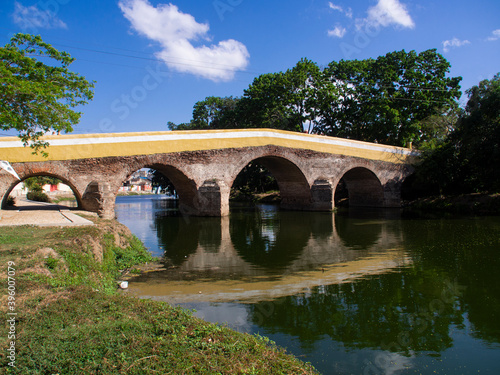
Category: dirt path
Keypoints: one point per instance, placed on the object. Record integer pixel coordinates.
(27, 212)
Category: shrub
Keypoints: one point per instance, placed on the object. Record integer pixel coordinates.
(38, 196)
(11, 201)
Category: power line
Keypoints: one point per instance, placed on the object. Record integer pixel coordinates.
(199, 64)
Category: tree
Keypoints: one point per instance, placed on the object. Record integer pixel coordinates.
(282, 100)
(159, 180)
(477, 136)
(468, 160)
(37, 98)
(211, 113)
(255, 178)
(214, 113)
(386, 100)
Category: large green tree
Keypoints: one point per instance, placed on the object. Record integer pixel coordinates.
(283, 100)
(477, 137)
(468, 160)
(386, 100)
(38, 97)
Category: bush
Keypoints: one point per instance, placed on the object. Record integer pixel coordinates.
(11, 201)
(38, 196)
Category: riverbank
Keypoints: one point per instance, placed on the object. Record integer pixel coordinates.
(268, 197)
(465, 204)
(71, 317)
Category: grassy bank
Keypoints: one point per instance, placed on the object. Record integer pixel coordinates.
(72, 320)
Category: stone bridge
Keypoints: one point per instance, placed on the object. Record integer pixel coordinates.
(203, 165)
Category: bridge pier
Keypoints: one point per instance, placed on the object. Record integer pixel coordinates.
(99, 197)
(392, 194)
(213, 199)
(322, 194)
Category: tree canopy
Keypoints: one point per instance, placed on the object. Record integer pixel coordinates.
(394, 99)
(386, 100)
(37, 97)
(468, 160)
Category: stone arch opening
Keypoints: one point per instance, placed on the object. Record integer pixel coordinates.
(295, 192)
(68, 190)
(360, 187)
(254, 178)
(178, 184)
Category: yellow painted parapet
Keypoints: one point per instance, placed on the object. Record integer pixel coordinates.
(85, 146)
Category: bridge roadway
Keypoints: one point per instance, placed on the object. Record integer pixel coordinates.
(202, 165)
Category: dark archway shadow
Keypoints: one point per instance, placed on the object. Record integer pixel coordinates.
(360, 187)
(295, 191)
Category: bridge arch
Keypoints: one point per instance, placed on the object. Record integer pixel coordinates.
(364, 187)
(184, 186)
(294, 188)
(25, 176)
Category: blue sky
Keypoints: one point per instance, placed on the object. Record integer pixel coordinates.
(152, 60)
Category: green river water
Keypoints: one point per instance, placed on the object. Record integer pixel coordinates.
(354, 292)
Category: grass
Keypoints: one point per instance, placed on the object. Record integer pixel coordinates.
(58, 199)
(72, 320)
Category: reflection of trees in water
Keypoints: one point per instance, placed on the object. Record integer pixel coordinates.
(468, 250)
(390, 311)
(181, 236)
(272, 241)
(454, 275)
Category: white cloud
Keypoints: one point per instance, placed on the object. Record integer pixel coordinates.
(175, 31)
(347, 12)
(454, 43)
(337, 32)
(495, 35)
(32, 17)
(388, 12)
(335, 7)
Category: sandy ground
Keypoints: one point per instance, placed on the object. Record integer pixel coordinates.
(28, 212)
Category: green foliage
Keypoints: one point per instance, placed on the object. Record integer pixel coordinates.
(211, 113)
(255, 178)
(89, 332)
(468, 161)
(388, 99)
(38, 196)
(282, 100)
(36, 98)
(126, 257)
(51, 263)
(161, 181)
(10, 201)
(37, 183)
(478, 137)
(395, 99)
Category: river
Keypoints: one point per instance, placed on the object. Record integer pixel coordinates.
(354, 292)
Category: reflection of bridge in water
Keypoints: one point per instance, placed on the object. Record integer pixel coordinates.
(233, 258)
